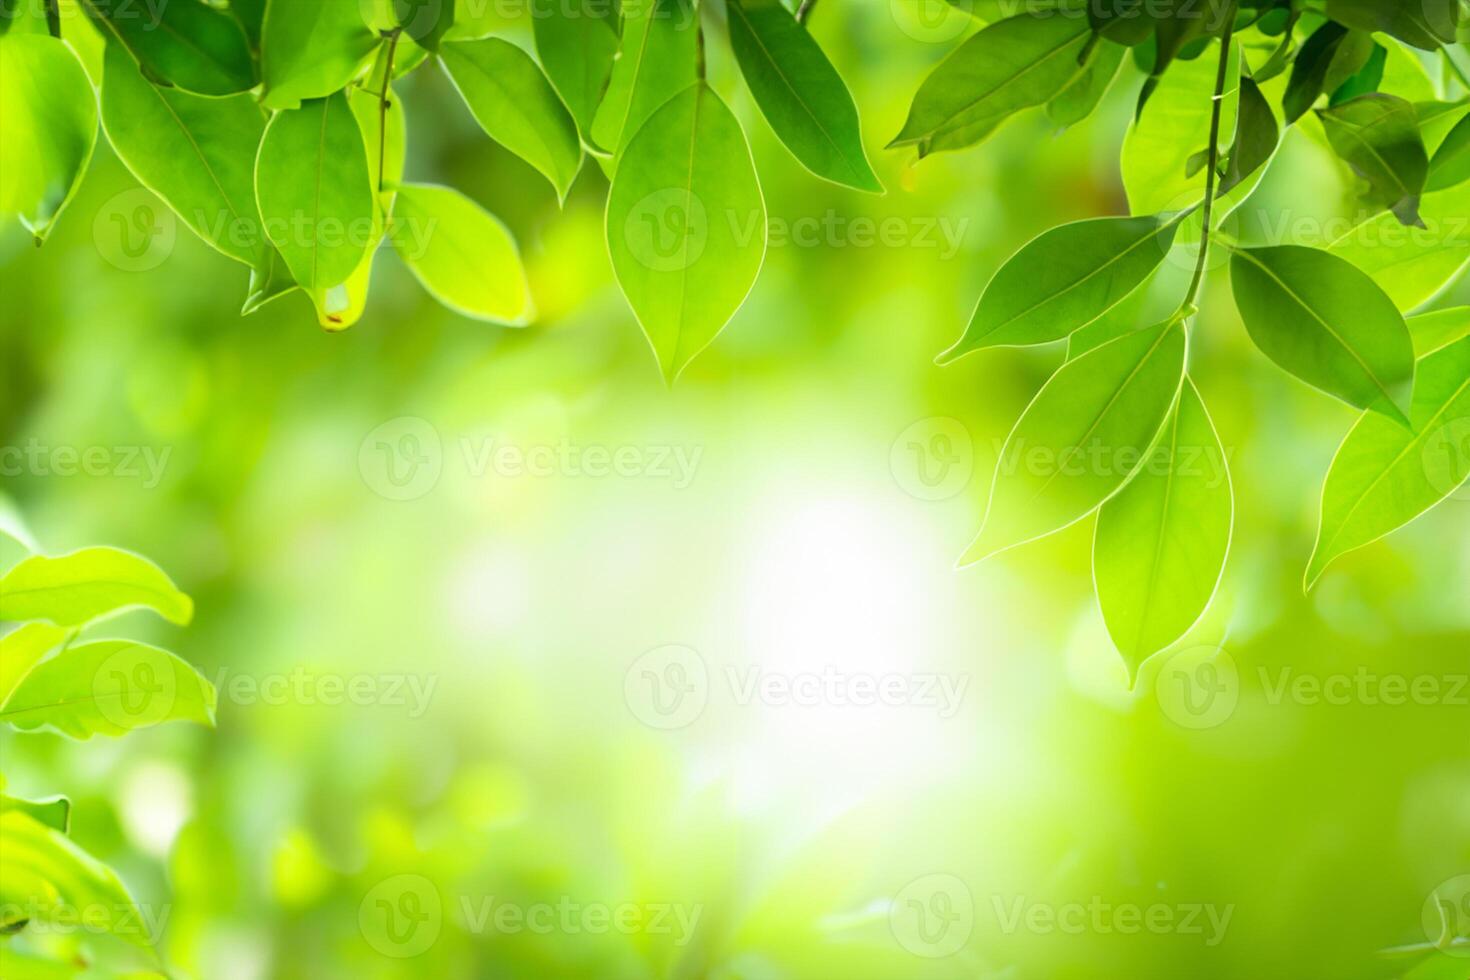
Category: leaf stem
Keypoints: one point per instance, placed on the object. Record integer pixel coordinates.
(383, 105)
(1212, 167)
(53, 18)
(805, 10)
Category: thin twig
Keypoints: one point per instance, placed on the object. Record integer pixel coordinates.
(383, 105)
(53, 17)
(805, 10)
(1214, 162)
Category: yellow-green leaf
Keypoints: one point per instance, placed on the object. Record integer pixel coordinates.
(75, 589)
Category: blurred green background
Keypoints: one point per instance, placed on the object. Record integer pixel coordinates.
(439, 634)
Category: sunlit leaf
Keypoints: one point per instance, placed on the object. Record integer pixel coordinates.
(578, 42)
(1431, 331)
(54, 812)
(1078, 100)
(1413, 265)
(657, 60)
(21, 649)
(74, 589)
(182, 42)
(1378, 136)
(1451, 163)
(310, 50)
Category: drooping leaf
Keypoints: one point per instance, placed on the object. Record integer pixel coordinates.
(196, 153)
(1378, 136)
(185, 43)
(1309, 71)
(1161, 543)
(686, 225)
(1066, 279)
(310, 50)
(1082, 437)
(45, 876)
(15, 965)
(251, 15)
(21, 649)
(109, 687)
(75, 589)
(463, 255)
(1011, 65)
(516, 106)
(1385, 475)
(1349, 59)
(54, 812)
(657, 60)
(1432, 331)
(425, 21)
(341, 306)
(315, 191)
(48, 128)
(1425, 24)
(1080, 98)
(270, 280)
(1451, 163)
(1327, 323)
(1364, 81)
(1413, 265)
(578, 42)
(1256, 137)
(800, 93)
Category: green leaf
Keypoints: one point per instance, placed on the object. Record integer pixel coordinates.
(15, 965)
(1425, 24)
(1327, 323)
(1378, 136)
(1412, 265)
(463, 255)
(1009, 66)
(48, 128)
(251, 15)
(800, 93)
(1256, 137)
(657, 61)
(269, 281)
(1451, 163)
(686, 225)
(1080, 98)
(1161, 543)
(311, 50)
(1366, 80)
(315, 192)
(46, 877)
(1082, 437)
(1066, 279)
(54, 812)
(1384, 475)
(109, 687)
(196, 153)
(516, 106)
(182, 42)
(578, 42)
(75, 589)
(1309, 71)
(340, 306)
(426, 21)
(1432, 331)
(21, 649)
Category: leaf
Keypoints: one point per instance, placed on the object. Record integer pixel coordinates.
(1378, 136)
(1413, 265)
(15, 965)
(578, 42)
(1327, 323)
(1009, 66)
(315, 192)
(686, 225)
(1161, 543)
(45, 876)
(1366, 80)
(1309, 72)
(311, 50)
(75, 589)
(426, 21)
(269, 281)
(196, 153)
(48, 128)
(656, 62)
(1065, 279)
(1384, 475)
(800, 93)
(1432, 331)
(1256, 137)
(1080, 98)
(1451, 163)
(21, 649)
(341, 306)
(110, 687)
(463, 255)
(516, 106)
(181, 42)
(54, 812)
(1425, 24)
(1082, 437)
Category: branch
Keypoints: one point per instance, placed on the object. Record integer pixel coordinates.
(1212, 167)
(805, 10)
(383, 105)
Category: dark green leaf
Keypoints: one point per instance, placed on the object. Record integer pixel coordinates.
(1365, 81)
(1079, 99)
(1256, 137)
(182, 42)
(426, 21)
(1378, 136)
(1309, 71)
(577, 42)
(1425, 24)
